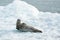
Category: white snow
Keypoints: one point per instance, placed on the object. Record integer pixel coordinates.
(48, 22)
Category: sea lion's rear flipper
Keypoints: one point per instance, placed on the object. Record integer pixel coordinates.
(37, 31)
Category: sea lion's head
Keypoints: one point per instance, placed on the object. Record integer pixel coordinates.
(18, 20)
(18, 23)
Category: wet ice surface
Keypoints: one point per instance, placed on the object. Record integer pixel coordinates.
(48, 22)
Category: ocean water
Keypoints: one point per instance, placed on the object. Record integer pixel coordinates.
(45, 5)
(48, 22)
(41, 5)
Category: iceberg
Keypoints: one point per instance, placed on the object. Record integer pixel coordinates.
(46, 21)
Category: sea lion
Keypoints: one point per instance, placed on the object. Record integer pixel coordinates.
(26, 28)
